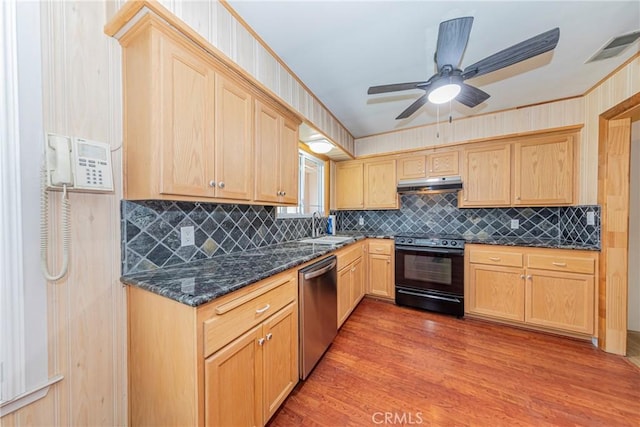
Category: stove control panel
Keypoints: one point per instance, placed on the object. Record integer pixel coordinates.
(430, 242)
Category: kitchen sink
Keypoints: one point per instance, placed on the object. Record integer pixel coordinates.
(327, 240)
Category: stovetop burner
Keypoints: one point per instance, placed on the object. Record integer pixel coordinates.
(430, 241)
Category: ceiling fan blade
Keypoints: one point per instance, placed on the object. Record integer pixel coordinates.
(471, 96)
(413, 107)
(519, 52)
(394, 87)
(453, 36)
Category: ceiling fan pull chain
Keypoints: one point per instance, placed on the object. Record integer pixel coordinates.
(437, 121)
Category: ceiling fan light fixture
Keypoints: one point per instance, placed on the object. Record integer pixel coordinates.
(320, 146)
(444, 90)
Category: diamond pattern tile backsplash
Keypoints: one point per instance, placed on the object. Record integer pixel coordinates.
(439, 214)
(151, 229)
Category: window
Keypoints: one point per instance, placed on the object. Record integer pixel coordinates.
(311, 188)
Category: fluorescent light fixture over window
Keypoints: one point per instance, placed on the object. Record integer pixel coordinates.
(321, 146)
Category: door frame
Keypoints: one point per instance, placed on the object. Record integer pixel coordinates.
(613, 197)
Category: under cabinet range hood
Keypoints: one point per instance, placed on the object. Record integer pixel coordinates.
(441, 184)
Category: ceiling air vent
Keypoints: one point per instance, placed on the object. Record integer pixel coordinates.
(615, 47)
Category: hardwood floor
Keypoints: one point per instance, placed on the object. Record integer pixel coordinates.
(633, 347)
(392, 365)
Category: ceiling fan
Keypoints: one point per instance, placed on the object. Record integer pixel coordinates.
(448, 82)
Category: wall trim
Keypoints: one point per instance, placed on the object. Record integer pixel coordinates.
(28, 398)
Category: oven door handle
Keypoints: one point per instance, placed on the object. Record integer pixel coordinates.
(402, 291)
(432, 250)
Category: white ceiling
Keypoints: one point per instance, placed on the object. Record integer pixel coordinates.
(340, 48)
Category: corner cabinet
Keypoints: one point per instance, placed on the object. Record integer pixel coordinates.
(189, 125)
(549, 289)
(276, 156)
(232, 361)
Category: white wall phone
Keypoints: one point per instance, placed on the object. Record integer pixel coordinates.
(71, 164)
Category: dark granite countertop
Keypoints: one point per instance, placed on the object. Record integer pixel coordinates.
(530, 242)
(199, 282)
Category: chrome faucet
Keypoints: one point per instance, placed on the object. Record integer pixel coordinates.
(314, 230)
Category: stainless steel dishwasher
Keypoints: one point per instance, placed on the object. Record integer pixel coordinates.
(318, 317)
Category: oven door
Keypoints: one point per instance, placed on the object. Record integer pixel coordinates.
(430, 269)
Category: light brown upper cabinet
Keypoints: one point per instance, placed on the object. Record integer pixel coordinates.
(486, 176)
(189, 124)
(380, 184)
(368, 184)
(543, 171)
(233, 144)
(443, 163)
(526, 171)
(350, 185)
(413, 167)
(276, 159)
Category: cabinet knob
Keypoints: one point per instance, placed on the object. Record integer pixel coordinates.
(280, 193)
(529, 277)
(517, 197)
(269, 336)
(221, 184)
(388, 261)
(260, 341)
(212, 183)
(284, 193)
(522, 276)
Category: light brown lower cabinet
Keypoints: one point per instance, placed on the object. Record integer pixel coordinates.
(381, 268)
(247, 380)
(550, 289)
(351, 280)
(232, 361)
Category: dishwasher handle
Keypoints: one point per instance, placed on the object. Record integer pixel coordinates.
(306, 275)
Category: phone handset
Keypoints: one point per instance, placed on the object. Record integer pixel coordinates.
(56, 171)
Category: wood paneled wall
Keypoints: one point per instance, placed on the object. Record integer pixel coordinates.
(213, 21)
(583, 110)
(87, 308)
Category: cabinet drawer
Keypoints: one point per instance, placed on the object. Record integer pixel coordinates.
(234, 316)
(349, 254)
(382, 248)
(509, 259)
(561, 263)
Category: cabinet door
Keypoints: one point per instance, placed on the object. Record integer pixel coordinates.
(560, 300)
(349, 185)
(187, 85)
(344, 294)
(486, 176)
(233, 383)
(357, 282)
(496, 291)
(380, 184)
(267, 153)
(381, 276)
(280, 358)
(412, 167)
(543, 171)
(234, 141)
(443, 164)
(289, 162)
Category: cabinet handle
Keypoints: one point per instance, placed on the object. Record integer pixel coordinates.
(517, 197)
(559, 264)
(269, 336)
(284, 193)
(212, 183)
(522, 276)
(221, 184)
(260, 341)
(494, 258)
(388, 261)
(529, 277)
(263, 309)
